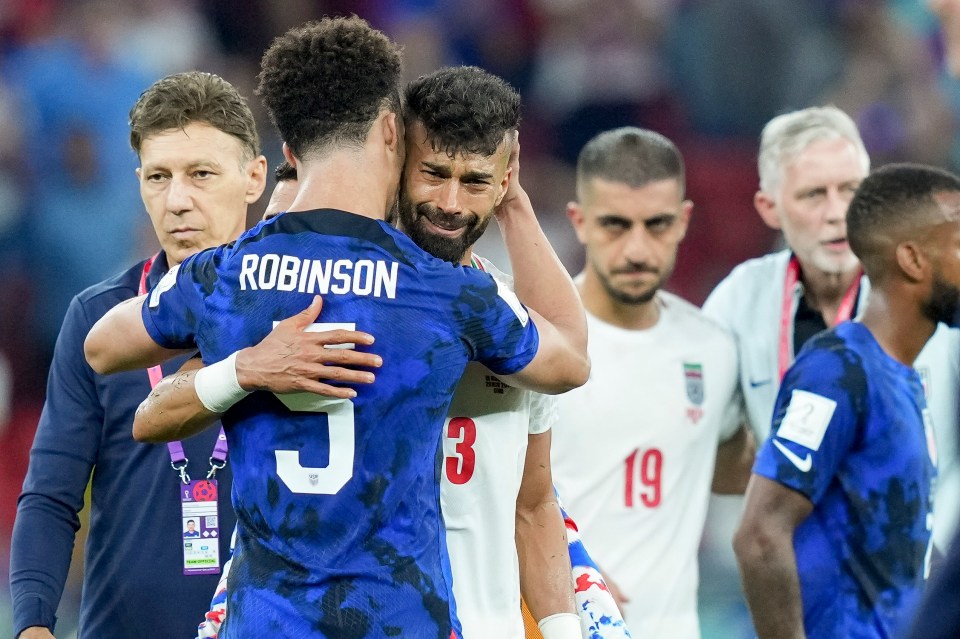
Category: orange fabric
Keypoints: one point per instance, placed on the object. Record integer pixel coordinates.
(529, 623)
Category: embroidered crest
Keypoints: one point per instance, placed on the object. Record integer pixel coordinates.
(693, 374)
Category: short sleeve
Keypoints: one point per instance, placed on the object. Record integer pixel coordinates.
(494, 323)
(544, 412)
(174, 306)
(815, 421)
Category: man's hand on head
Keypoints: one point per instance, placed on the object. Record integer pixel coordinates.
(515, 195)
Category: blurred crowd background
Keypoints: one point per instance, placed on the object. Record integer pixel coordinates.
(706, 73)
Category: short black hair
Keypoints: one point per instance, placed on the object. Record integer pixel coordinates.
(629, 155)
(889, 204)
(284, 172)
(325, 82)
(464, 109)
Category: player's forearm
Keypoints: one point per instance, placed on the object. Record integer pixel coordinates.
(172, 411)
(546, 580)
(540, 279)
(735, 459)
(120, 342)
(768, 569)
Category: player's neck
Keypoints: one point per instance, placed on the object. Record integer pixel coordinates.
(346, 181)
(598, 302)
(898, 324)
(824, 291)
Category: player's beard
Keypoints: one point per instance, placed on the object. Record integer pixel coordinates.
(943, 303)
(450, 249)
(632, 299)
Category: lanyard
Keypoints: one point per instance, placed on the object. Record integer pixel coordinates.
(178, 459)
(844, 311)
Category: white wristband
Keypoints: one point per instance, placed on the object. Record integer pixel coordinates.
(563, 625)
(217, 385)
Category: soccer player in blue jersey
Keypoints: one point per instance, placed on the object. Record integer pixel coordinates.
(455, 120)
(835, 537)
(339, 533)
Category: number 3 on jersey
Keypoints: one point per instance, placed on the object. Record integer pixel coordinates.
(643, 467)
(460, 466)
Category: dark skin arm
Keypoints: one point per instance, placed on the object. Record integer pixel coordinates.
(768, 566)
(288, 360)
(734, 462)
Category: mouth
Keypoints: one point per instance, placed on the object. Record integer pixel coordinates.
(837, 244)
(446, 230)
(183, 233)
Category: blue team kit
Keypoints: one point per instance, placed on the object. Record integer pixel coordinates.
(337, 501)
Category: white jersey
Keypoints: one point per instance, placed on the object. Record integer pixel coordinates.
(633, 456)
(749, 303)
(484, 447)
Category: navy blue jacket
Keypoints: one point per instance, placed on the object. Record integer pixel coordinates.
(133, 577)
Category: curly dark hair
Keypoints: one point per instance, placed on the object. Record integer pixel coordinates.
(180, 99)
(463, 109)
(894, 201)
(284, 172)
(325, 82)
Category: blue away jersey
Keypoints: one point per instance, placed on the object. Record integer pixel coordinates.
(849, 432)
(339, 532)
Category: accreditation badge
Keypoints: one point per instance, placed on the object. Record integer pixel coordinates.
(200, 527)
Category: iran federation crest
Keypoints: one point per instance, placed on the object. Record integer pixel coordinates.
(693, 375)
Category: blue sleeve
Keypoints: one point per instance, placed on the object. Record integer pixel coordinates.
(174, 307)
(64, 452)
(496, 326)
(808, 440)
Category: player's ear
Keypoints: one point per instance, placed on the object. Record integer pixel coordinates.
(912, 262)
(256, 179)
(683, 221)
(577, 219)
(767, 208)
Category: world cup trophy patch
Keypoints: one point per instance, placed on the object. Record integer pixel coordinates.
(693, 377)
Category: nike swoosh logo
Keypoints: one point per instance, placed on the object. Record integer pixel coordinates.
(762, 382)
(803, 464)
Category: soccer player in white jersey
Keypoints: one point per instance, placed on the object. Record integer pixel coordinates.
(491, 477)
(810, 163)
(638, 448)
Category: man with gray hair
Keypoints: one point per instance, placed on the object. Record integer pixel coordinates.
(811, 162)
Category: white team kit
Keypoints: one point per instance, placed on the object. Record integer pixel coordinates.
(484, 448)
(633, 455)
(750, 302)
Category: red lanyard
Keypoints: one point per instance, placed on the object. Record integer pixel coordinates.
(178, 459)
(787, 312)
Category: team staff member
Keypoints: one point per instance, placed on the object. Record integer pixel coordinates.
(836, 531)
(810, 164)
(200, 166)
